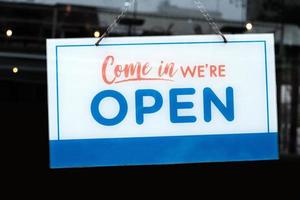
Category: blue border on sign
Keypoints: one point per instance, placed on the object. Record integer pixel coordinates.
(163, 150)
(160, 43)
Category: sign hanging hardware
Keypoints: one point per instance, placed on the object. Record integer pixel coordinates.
(124, 10)
(198, 4)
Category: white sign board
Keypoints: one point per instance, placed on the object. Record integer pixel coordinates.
(157, 100)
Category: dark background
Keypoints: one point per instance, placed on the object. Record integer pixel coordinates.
(24, 117)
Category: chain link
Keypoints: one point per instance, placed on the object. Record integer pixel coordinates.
(124, 10)
(198, 4)
(208, 18)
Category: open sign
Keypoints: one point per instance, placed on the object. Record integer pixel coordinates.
(141, 110)
(158, 100)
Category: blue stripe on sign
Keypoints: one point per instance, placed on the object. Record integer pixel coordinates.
(163, 150)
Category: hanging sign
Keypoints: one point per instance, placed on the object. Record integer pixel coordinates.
(161, 100)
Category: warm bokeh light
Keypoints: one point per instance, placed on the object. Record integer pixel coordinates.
(9, 32)
(249, 26)
(96, 34)
(15, 70)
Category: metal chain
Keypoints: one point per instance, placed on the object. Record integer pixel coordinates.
(208, 18)
(125, 8)
(198, 4)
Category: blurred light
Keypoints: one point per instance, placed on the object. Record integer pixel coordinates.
(126, 4)
(96, 34)
(68, 8)
(15, 70)
(249, 26)
(9, 32)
